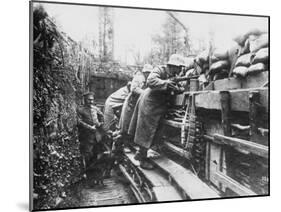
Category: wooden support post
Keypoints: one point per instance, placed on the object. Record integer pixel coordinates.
(225, 99)
(207, 160)
(253, 114)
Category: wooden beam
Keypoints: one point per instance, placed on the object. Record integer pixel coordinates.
(163, 190)
(233, 185)
(174, 124)
(177, 150)
(227, 84)
(239, 99)
(255, 81)
(185, 180)
(241, 144)
(253, 113)
(225, 100)
(207, 161)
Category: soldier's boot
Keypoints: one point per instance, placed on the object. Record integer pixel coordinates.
(145, 164)
(141, 155)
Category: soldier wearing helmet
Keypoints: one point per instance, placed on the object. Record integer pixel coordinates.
(137, 87)
(152, 105)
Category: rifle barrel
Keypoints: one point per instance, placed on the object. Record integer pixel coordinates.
(179, 79)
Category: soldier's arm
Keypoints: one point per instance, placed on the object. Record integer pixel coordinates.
(154, 80)
(137, 84)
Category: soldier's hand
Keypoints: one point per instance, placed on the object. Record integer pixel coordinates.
(171, 85)
(93, 128)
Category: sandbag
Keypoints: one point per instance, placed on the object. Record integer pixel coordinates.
(217, 66)
(257, 68)
(240, 71)
(258, 43)
(246, 48)
(261, 56)
(202, 57)
(220, 53)
(214, 59)
(244, 60)
(241, 39)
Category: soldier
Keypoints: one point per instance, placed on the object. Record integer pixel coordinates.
(152, 105)
(113, 106)
(138, 85)
(90, 120)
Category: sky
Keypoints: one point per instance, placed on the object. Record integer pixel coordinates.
(133, 28)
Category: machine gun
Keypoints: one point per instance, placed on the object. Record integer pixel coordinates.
(177, 88)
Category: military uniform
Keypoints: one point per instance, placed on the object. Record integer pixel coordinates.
(151, 106)
(88, 117)
(137, 87)
(114, 102)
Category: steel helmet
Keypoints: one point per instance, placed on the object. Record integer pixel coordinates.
(176, 60)
(147, 68)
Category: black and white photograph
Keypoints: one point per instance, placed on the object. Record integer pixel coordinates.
(133, 105)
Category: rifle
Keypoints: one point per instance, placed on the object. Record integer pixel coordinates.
(180, 79)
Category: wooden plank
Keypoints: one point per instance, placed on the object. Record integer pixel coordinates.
(162, 188)
(185, 179)
(166, 193)
(215, 151)
(239, 99)
(179, 151)
(225, 100)
(153, 176)
(207, 161)
(228, 84)
(253, 115)
(174, 124)
(255, 81)
(241, 144)
(234, 185)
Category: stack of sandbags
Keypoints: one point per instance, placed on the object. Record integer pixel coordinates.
(220, 64)
(202, 62)
(253, 55)
(259, 48)
(189, 66)
(242, 64)
(244, 39)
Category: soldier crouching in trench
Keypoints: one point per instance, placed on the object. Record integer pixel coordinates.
(152, 105)
(90, 120)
